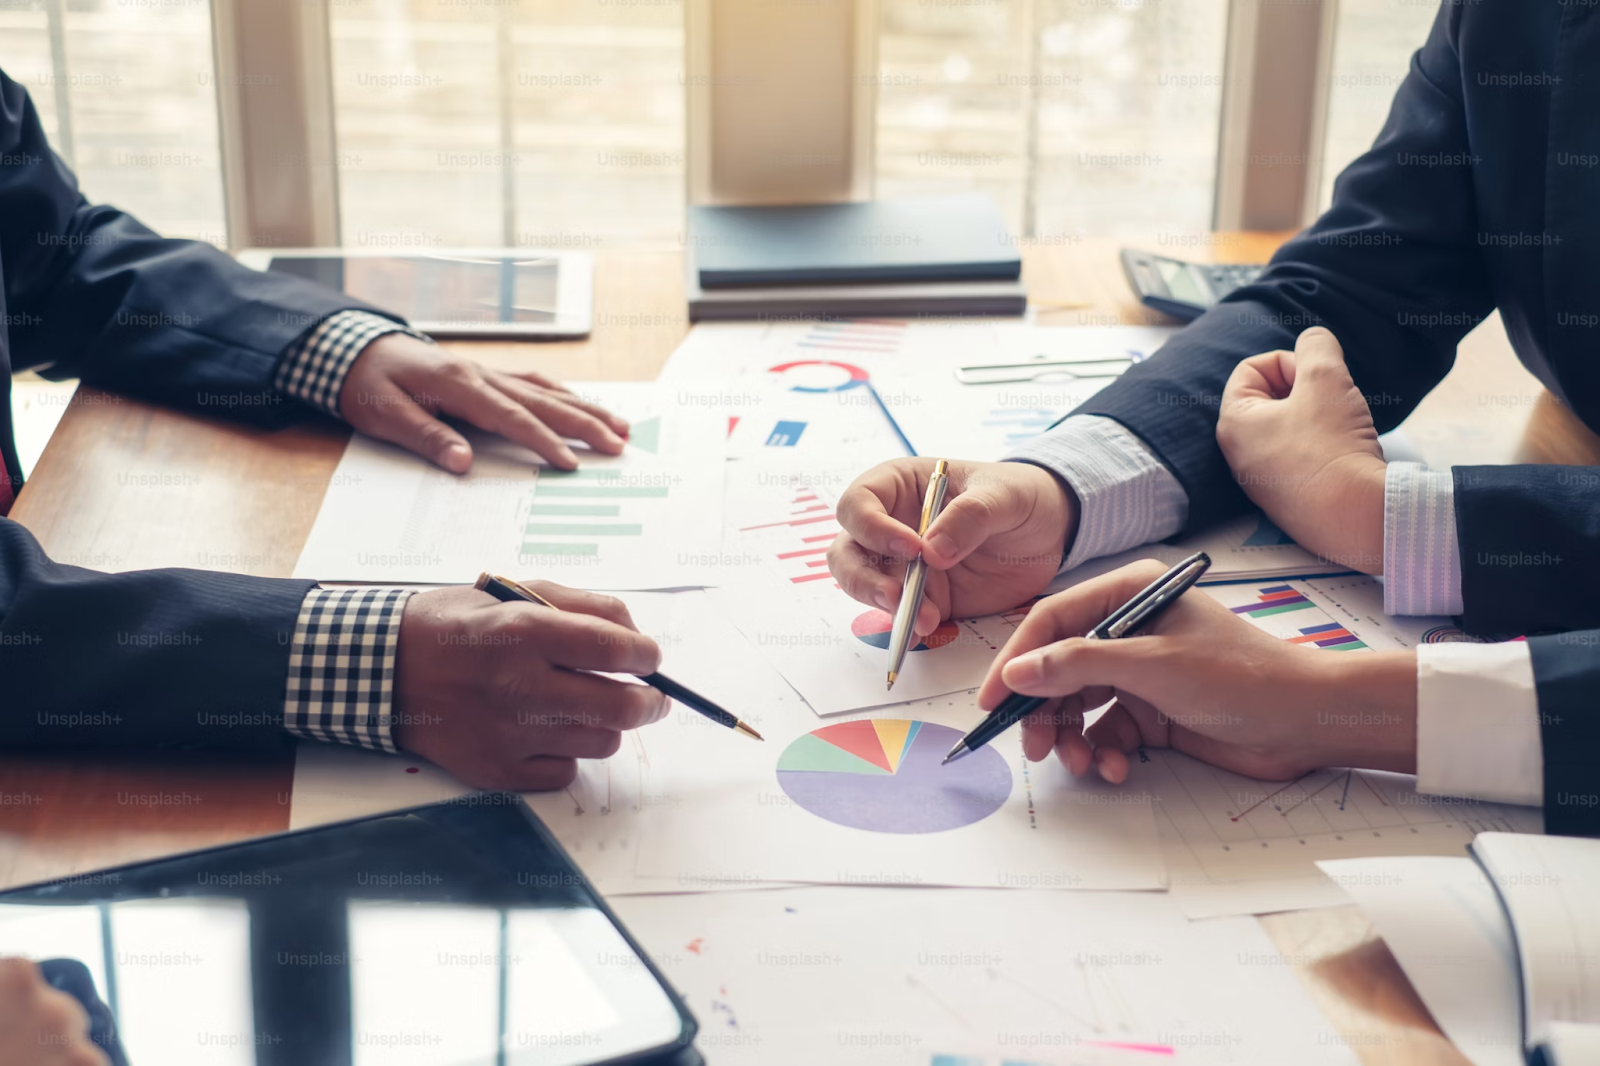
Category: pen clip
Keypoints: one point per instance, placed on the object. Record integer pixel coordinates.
(933, 500)
(1153, 598)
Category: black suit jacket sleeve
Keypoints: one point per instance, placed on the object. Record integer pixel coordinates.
(1392, 269)
(1566, 672)
(156, 658)
(90, 292)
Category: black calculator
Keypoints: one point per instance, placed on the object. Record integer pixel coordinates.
(1183, 290)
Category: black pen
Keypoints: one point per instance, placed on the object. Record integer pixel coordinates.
(509, 591)
(1125, 621)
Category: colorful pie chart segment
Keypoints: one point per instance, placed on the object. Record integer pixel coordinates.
(883, 775)
(874, 627)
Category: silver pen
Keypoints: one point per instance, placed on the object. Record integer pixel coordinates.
(905, 616)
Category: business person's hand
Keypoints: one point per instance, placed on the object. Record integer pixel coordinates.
(1201, 680)
(496, 693)
(999, 540)
(39, 1025)
(399, 386)
(1299, 437)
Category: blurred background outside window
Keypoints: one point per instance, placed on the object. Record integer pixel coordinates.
(127, 93)
(561, 122)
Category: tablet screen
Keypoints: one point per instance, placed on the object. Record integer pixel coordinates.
(440, 291)
(452, 934)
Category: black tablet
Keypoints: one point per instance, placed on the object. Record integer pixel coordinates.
(458, 933)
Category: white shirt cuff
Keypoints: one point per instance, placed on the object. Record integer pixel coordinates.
(1127, 497)
(1478, 723)
(1421, 556)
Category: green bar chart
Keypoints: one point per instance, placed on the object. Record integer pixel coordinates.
(580, 528)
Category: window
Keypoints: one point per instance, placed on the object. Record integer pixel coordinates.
(126, 91)
(556, 123)
(1372, 50)
(1079, 116)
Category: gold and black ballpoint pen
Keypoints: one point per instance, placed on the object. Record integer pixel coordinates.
(905, 617)
(509, 591)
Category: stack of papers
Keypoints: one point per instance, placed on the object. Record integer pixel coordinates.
(728, 493)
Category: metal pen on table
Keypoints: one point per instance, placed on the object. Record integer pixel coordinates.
(905, 616)
(1125, 621)
(508, 591)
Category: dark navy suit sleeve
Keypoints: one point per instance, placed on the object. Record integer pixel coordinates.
(154, 658)
(1392, 269)
(90, 292)
(1530, 548)
(1566, 673)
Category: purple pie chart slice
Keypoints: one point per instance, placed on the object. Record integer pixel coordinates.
(918, 796)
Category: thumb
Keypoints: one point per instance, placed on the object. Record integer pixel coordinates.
(1318, 363)
(974, 516)
(411, 426)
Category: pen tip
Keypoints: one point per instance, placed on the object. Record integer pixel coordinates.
(748, 731)
(892, 676)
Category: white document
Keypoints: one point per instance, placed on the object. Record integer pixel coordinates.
(689, 805)
(778, 519)
(1249, 546)
(825, 367)
(1061, 369)
(769, 420)
(956, 977)
(1443, 920)
(1551, 888)
(1237, 845)
(834, 650)
(618, 522)
(864, 801)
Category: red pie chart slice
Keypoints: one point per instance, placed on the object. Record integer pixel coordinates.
(859, 739)
(873, 627)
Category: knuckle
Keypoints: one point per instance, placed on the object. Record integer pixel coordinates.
(611, 607)
(458, 370)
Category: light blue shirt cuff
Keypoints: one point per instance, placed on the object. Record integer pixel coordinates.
(1421, 556)
(1127, 497)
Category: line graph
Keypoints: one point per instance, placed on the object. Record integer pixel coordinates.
(1222, 830)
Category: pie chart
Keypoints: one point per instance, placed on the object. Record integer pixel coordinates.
(883, 775)
(874, 627)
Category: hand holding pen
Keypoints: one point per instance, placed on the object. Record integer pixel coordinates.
(1037, 662)
(1201, 680)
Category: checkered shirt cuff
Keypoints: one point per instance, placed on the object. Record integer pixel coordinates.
(341, 666)
(314, 367)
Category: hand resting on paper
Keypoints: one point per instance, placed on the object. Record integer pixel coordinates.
(399, 386)
(998, 542)
(499, 694)
(1203, 681)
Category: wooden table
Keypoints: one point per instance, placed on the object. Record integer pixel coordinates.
(242, 500)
